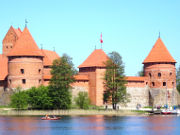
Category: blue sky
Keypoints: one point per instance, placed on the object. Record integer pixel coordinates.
(130, 27)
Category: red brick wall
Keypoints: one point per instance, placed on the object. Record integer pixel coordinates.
(33, 70)
(100, 72)
(166, 71)
(139, 84)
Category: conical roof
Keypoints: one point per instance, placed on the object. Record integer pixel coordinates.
(25, 46)
(97, 59)
(159, 53)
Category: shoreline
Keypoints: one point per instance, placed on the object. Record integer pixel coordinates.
(72, 112)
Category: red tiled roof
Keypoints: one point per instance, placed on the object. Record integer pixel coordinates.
(81, 77)
(25, 46)
(18, 32)
(97, 59)
(49, 57)
(159, 53)
(135, 78)
(3, 67)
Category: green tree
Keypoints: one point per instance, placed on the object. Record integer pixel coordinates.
(39, 98)
(19, 99)
(115, 89)
(178, 79)
(82, 100)
(141, 73)
(62, 76)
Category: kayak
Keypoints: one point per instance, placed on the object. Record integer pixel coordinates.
(50, 118)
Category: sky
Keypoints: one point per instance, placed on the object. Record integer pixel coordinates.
(129, 27)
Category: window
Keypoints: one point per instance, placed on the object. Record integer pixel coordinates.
(164, 83)
(24, 81)
(150, 75)
(146, 83)
(153, 84)
(39, 80)
(22, 71)
(170, 73)
(159, 74)
(7, 47)
(39, 70)
(173, 84)
(10, 81)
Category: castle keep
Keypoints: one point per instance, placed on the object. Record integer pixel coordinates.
(23, 64)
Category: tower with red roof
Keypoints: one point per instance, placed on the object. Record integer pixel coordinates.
(25, 63)
(94, 67)
(159, 68)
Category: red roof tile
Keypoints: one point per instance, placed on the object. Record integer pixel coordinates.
(18, 32)
(3, 67)
(81, 77)
(159, 53)
(97, 59)
(49, 57)
(135, 78)
(25, 46)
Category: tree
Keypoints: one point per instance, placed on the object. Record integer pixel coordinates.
(82, 100)
(115, 89)
(19, 99)
(39, 98)
(141, 73)
(178, 79)
(62, 76)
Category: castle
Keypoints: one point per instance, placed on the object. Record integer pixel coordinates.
(23, 64)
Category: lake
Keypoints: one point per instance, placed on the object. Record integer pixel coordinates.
(90, 125)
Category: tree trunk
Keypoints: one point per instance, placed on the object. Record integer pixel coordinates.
(114, 106)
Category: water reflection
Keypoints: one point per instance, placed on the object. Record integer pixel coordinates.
(90, 125)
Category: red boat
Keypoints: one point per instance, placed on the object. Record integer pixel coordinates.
(50, 118)
(166, 112)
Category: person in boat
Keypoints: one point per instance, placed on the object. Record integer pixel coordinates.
(47, 117)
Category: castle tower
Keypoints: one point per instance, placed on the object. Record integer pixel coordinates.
(25, 63)
(159, 68)
(9, 40)
(94, 67)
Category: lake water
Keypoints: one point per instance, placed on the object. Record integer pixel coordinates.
(91, 125)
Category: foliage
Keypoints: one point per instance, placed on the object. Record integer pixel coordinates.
(62, 76)
(115, 88)
(178, 79)
(141, 73)
(82, 100)
(39, 98)
(19, 99)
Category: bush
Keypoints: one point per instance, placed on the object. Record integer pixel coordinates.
(39, 98)
(82, 100)
(19, 99)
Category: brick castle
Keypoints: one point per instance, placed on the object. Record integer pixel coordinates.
(23, 64)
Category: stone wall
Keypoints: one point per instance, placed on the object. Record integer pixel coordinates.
(138, 95)
(79, 86)
(5, 96)
(161, 97)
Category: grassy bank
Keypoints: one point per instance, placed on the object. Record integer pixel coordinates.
(12, 112)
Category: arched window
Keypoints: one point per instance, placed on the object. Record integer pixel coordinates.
(164, 83)
(153, 84)
(150, 75)
(159, 74)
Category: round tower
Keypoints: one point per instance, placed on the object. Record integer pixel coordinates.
(25, 63)
(159, 68)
